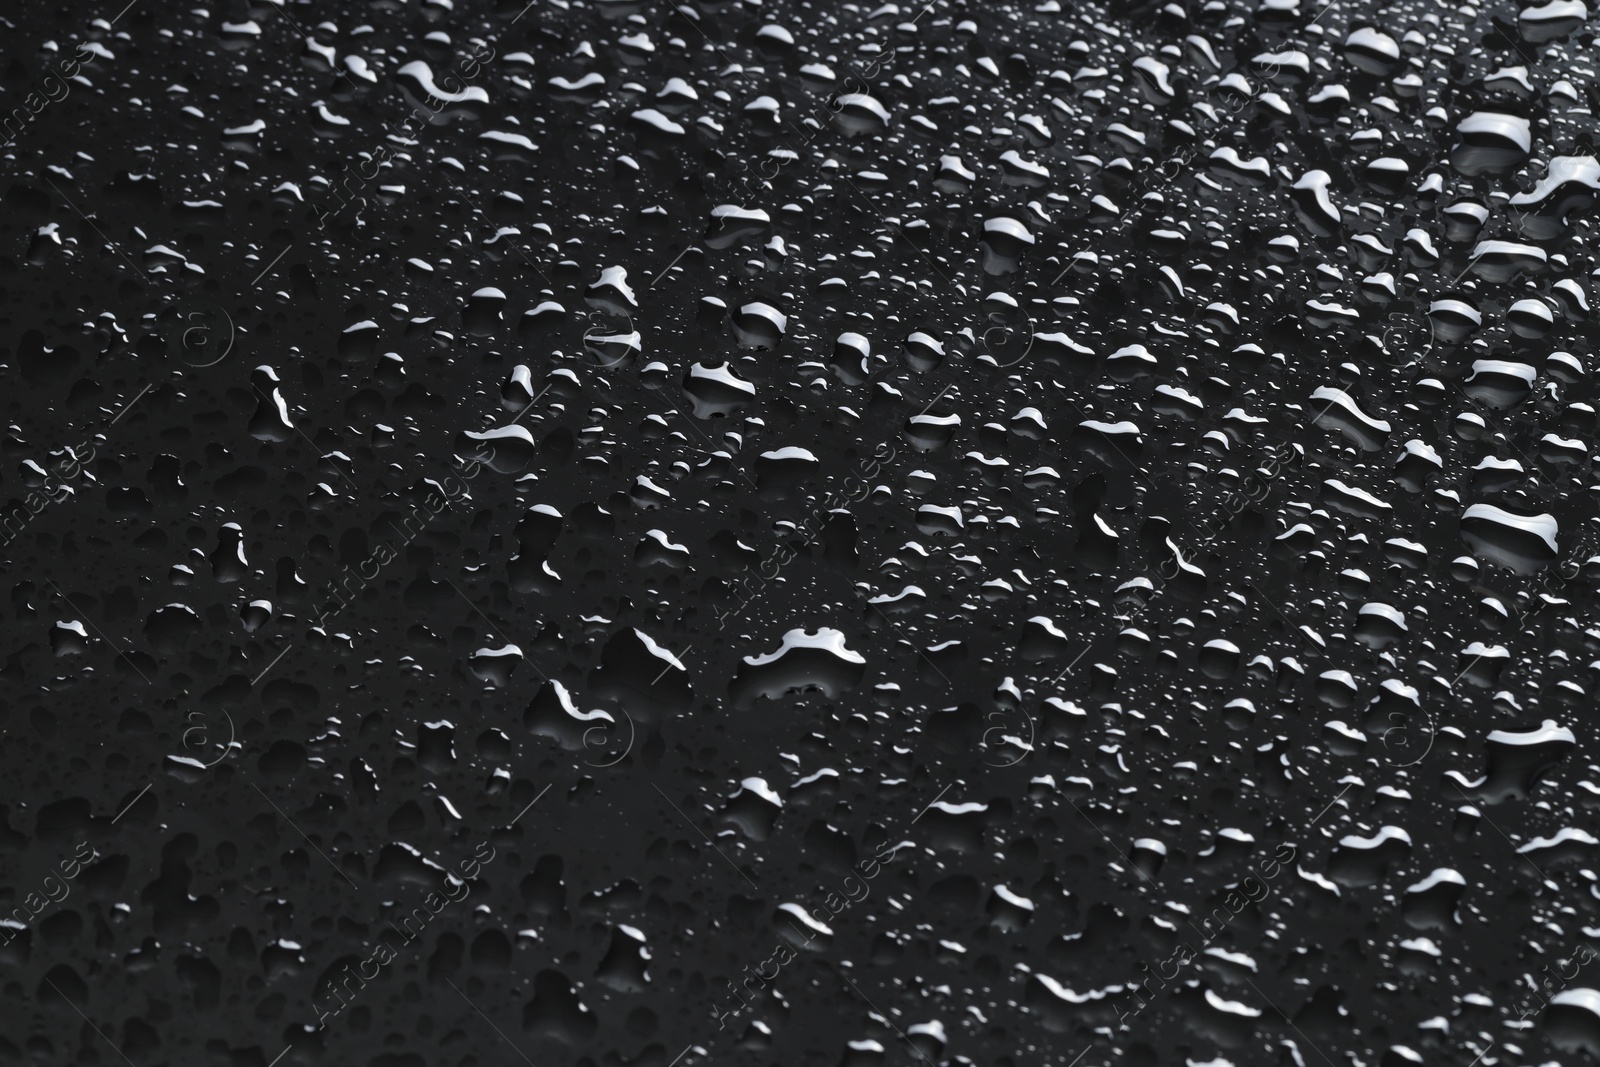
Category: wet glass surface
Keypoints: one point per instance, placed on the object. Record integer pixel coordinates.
(653, 533)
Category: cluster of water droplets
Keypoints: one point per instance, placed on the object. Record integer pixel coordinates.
(1113, 486)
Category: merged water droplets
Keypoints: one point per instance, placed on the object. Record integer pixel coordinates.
(1033, 531)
